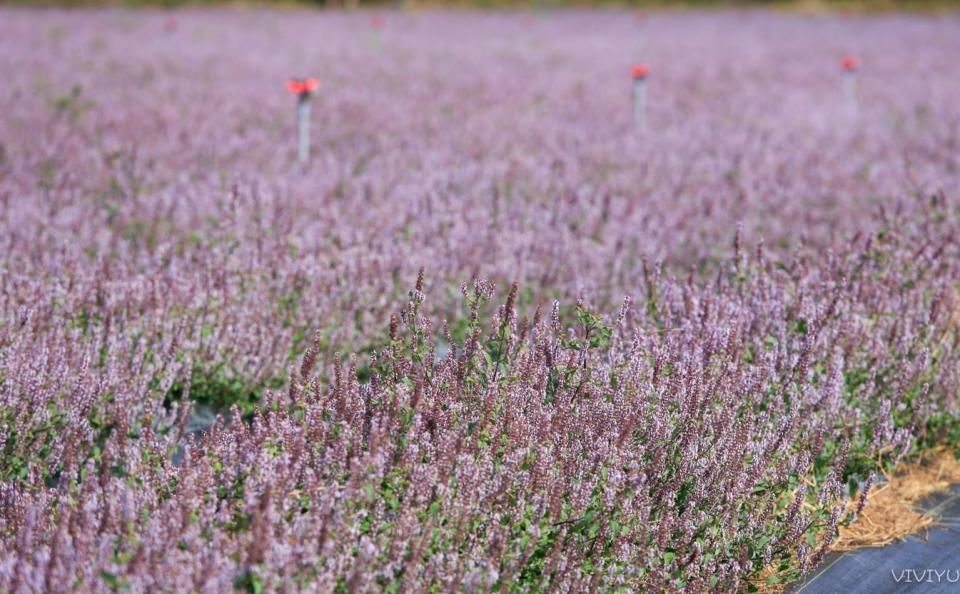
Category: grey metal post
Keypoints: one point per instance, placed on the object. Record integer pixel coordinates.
(639, 73)
(640, 103)
(303, 127)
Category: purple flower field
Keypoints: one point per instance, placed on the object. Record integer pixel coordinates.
(490, 337)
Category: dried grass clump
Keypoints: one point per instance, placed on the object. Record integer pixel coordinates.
(760, 585)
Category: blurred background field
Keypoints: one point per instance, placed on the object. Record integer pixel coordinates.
(808, 6)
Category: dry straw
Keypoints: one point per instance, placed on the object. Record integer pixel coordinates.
(891, 512)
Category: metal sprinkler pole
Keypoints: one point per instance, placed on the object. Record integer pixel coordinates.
(640, 103)
(377, 25)
(303, 127)
(639, 73)
(850, 65)
(303, 88)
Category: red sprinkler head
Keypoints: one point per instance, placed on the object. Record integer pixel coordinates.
(849, 64)
(302, 86)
